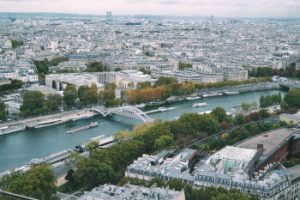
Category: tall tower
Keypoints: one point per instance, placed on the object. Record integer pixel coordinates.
(109, 17)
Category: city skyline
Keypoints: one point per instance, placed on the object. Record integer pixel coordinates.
(219, 8)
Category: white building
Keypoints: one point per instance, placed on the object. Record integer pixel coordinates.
(60, 81)
(125, 80)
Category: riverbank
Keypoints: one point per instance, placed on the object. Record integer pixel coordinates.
(64, 117)
(19, 148)
(45, 121)
(220, 91)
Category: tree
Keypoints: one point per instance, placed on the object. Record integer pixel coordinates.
(163, 141)
(15, 84)
(187, 87)
(16, 43)
(264, 113)
(166, 81)
(53, 102)
(90, 95)
(38, 182)
(262, 72)
(113, 103)
(270, 100)
(70, 95)
(292, 99)
(219, 113)
(175, 184)
(42, 66)
(81, 91)
(33, 102)
(239, 119)
(92, 172)
(183, 65)
(2, 110)
(143, 85)
(201, 124)
(92, 146)
(96, 67)
(110, 86)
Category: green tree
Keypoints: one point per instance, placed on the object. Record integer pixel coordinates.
(70, 95)
(15, 84)
(53, 102)
(90, 96)
(183, 65)
(166, 81)
(239, 119)
(176, 184)
(33, 102)
(38, 182)
(91, 173)
(81, 91)
(92, 146)
(110, 86)
(96, 67)
(112, 103)
(163, 141)
(262, 72)
(292, 99)
(264, 113)
(219, 113)
(2, 110)
(16, 43)
(270, 100)
(206, 124)
(143, 85)
(42, 66)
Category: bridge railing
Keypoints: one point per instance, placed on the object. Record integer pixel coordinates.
(127, 111)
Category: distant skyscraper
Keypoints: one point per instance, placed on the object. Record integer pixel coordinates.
(109, 17)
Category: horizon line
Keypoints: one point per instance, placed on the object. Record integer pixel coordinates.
(150, 15)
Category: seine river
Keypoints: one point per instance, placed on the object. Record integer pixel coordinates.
(19, 148)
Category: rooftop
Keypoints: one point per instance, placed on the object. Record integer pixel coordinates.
(235, 153)
(270, 140)
(112, 192)
(161, 165)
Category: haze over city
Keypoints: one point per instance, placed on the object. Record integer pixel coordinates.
(225, 8)
(149, 99)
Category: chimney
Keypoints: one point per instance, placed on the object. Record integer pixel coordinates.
(260, 147)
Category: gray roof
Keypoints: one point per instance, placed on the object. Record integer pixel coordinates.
(271, 140)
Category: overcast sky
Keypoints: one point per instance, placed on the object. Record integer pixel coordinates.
(230, 8)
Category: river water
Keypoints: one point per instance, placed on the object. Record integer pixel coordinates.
(19, 148)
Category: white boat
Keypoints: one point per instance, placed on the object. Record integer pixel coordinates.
(82, 128)
(214, 94)
(102, 140)
(192, 98)
(205, 112)
(3, 128)
(196, 105)
(47, 123)
(142, 105)
(162, 109)
(231, 93)
(52, 158)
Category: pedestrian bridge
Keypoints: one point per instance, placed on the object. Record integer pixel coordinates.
(126, 111)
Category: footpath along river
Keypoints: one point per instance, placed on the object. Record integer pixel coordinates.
(19, 148)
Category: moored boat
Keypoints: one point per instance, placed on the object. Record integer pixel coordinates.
(82, 128)
(192, 98)
(196, 105)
